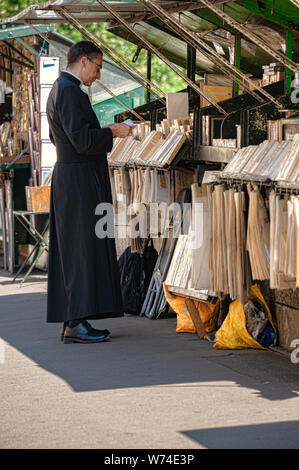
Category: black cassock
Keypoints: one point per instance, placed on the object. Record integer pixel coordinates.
(83, 280)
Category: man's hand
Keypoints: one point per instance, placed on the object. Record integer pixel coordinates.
(120, 130)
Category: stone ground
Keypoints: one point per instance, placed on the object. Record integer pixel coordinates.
(147, 388)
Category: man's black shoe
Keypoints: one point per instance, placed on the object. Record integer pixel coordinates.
(84, 333)
(95, 330)
(99, 332)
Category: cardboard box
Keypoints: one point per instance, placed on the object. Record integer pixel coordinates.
(38, 198)
(177, 105)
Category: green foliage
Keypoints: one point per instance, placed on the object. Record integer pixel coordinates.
(162, 75)
(10, 8)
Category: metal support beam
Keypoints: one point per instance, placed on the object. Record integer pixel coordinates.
(237, 62)
(45, 37)
(7, 43)
(6, 70)
(160, 55)
(12, 59)
(149, 75)
(196, 41)
(128, 68)
(97, 81)
(191, 65)
(119, 100)
(203, 47)
(289, 52)
(257, 40)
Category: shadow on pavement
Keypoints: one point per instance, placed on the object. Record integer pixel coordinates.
(141, 353)
(280, 435)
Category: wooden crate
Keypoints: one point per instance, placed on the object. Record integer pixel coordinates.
(38, 198)
(217, 93)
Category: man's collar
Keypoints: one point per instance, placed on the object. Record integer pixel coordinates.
(74, 75)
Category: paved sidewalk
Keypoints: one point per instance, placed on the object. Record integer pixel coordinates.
(149, 387)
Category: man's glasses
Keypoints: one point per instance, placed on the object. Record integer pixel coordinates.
(99, 66)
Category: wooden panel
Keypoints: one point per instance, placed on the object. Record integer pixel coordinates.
(193, 312)
(20, 161)
(38, 198)
(177, 105)
(217, 93)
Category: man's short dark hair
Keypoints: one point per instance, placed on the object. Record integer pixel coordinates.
(81, 49)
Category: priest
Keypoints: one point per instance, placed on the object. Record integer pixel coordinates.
(83, 281)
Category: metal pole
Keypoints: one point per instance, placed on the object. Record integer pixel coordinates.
(191, 65)
(195, 40)
(289, 51)
(260, 42)
(237, 62)
(149, 75)
(111, 52)
(160, 55)
(3, 223)
(10, 223)
(119, 100)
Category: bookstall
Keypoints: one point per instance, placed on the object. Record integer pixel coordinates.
(25, 155)
(32, 58)
(234, 152)
(239, 248)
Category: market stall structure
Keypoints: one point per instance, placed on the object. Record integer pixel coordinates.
(29, 66)
(234, 145)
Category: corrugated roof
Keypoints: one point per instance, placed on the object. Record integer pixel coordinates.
(89, 11)
(268, 22)
(266, 18)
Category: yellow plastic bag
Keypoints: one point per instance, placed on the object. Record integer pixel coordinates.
(184, 321)
(233, 333)
(208, 313)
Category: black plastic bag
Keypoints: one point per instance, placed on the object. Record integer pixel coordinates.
(135, 270)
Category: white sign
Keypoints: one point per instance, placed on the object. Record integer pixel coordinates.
(48, 70)
(48, 154)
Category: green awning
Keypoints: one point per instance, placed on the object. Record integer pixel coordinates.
(12, 31)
